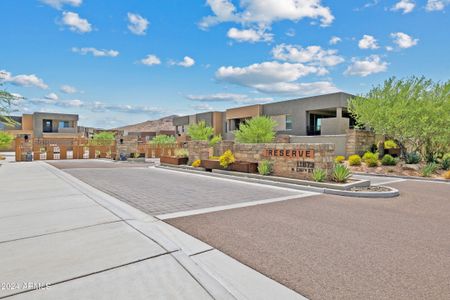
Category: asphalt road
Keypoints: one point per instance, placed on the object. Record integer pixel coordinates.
(332, 247)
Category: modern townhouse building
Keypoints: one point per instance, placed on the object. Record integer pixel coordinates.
(310, 116)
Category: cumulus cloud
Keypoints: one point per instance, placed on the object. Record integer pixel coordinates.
(406, 6)
(67, 89)
(150, 60)
(403, 40)
(52, 96)
(137, 24)
(276, 77)
(249, 35)
(96, 52)
(22, 80)
(436, 5)
(367, 66)
(334, 40)
(75, 23)
(368, 42)
(265, 12)
(187, 62)
(228, 97)
(58, 4)
(311, 54)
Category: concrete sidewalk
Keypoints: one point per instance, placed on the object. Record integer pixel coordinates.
(62, 239)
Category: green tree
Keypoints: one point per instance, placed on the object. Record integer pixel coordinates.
(163, 140)
(6, 103)
(415, 112)
(256, 130)
(5, 139)
(103, 138)
(200, 131)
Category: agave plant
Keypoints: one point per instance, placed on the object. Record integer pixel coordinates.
(341, 173)
(319, 175)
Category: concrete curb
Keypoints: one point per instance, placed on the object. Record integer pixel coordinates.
(403, 177)
(390, 194)
(267, 181)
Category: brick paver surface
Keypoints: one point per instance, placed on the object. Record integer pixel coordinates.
(158, 191)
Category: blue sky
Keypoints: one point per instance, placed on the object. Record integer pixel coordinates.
(121, 62)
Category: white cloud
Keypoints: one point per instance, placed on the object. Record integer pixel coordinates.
(202, 107)
(187, 62)
(265, 12)
(367, 66)
(22, 80)
(389, 48)
(249, 35)
(76, 23)
(334, 40)
(138, 24)
(52, 96)
(406, 6)
(311, 54)
(403, 40)
(436, 5)
(58, 4)
(265, 73)
(96, 52)
(298, 88)
(228, 97)
(151, 60)
(368, 42)
(67, 89)
(290, 32)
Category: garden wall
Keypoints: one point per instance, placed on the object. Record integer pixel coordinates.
(359, 141)
(294, 160)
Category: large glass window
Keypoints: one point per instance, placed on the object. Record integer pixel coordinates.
(64, 124)
(288, 122)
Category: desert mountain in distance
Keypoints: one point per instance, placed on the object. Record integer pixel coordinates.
(162, 124)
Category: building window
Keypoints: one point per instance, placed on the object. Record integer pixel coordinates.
(64, 124)
(288, 122)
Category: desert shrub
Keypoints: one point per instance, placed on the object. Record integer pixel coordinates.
(181, 152)
(265, 167)
(447, 175)
(445, 162)
(163, 140)
(214, 140)
(5, 139)
(256, 130)
(354, 160)
(341, 173)
(429, 169)
(339, 159)
(390, 144)
(388, 160)
(412, 158)
(103, 138)
(226, 159)
(200, 131)
(319, 175)
(371, 159)
(196, 163)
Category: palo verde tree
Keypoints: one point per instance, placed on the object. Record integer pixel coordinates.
(6, 103)
(414, 111)
(200, 131)
(256, 130)
(104, 138)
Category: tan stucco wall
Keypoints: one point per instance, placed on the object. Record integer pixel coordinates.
(27, 122)
(217, 122)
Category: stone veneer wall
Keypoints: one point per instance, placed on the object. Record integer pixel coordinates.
(128, 145)
(198, 150)
(359, 141)
(282, 165)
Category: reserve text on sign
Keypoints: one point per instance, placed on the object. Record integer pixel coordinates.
(289, 153)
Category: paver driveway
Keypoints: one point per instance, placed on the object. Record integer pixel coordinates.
(159, 191)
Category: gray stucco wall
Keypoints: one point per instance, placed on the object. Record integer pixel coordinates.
(179, 121)
(340, 141)
(207, 117)
(297, 108)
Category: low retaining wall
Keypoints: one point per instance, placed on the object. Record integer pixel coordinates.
(294, 160)
(359, 141)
